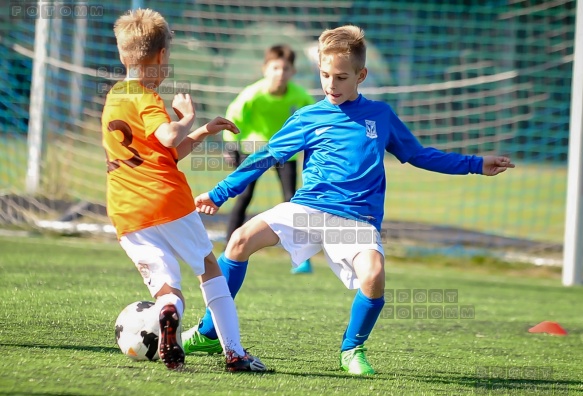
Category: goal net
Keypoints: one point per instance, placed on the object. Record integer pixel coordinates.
(475, 77)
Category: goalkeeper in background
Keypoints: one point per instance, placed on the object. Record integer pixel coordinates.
(259, 111)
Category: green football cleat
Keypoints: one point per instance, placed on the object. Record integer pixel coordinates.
(193, 341)
(354, 361)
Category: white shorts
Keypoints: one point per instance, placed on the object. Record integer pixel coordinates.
(155, 250)
(304, 231)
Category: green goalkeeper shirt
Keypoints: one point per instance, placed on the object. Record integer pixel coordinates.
(259, 114)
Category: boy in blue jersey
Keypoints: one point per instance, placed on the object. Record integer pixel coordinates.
(340, 207)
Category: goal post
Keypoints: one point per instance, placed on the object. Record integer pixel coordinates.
(573, 243)
(37, 105)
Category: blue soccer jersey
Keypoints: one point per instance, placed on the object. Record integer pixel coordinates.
(344, 149)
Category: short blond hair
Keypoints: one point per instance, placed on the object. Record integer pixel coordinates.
(346, 41)
(140, 35)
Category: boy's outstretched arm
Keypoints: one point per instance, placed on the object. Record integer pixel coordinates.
(234, 184)
(282, 146)
(494, 165)
(435, 160)
(195, 138)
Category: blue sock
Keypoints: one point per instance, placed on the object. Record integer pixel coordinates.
(364, 314)
(234, 272)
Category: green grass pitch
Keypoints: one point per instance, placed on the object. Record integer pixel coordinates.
(60, 298)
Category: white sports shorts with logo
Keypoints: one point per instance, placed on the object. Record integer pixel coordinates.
(304, 231)
(155, 250)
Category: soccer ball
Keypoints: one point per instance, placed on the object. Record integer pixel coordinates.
(136, 331)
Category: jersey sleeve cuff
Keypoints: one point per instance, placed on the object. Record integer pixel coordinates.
(476, 164)
(216, 196)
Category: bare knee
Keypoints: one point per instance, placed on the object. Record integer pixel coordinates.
(249, 238)
(370, 270)
(372, 282)
(237, 246)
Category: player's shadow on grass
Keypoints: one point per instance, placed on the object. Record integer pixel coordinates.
(337, 374)
(99, 349)
(189, 368)
(11, 393)
(486, 385)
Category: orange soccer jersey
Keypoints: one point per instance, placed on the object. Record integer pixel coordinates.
(144, 186)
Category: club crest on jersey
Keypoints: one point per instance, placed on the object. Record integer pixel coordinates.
(371, 129)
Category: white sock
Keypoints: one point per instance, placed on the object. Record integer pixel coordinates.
(169, 299)
(218, 299)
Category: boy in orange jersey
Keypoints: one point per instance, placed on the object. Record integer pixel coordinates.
(148, 199)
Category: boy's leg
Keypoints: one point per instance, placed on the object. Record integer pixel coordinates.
(220, 306)
(170, 305)
(160, 271)
(234, 272)
(219, 302)
(288, 175)
(254, 235)
(366, 308)
(237, 217)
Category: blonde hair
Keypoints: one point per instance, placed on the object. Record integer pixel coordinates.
(346, 41)
(140, 35)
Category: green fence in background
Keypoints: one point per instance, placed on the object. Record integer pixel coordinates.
(479, 79)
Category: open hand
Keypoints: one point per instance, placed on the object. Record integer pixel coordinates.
(219, 124)
(205, 205)
(494, 165)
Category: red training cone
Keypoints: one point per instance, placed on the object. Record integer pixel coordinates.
(548, 327)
